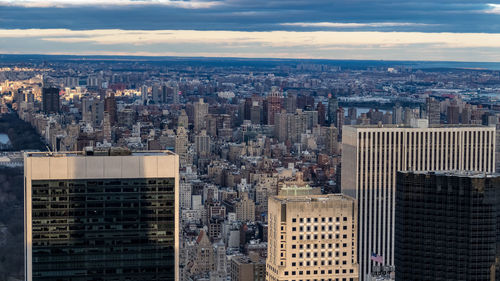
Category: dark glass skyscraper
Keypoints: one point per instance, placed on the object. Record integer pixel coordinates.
(50, 100)
(447, 226)
(101, 217)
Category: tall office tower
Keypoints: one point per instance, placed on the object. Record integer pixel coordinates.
(144, 93)
(433, 111)
(453, 113)
(176, 95)
(109, 217)
(291, 103)
(50, 100)
(106, 127)
(320, 108)
(340, 119)
(372, 155)
(311, 237)
(447, 226)
(202, 144)
(333, 106)
(409, 115)
(397, 113)
(331, 137)
(181, 144)
(183, 120)
(280, 130)
(164, 93)
(200, 114)
(110, 108)
(156, 93)
(274, 100)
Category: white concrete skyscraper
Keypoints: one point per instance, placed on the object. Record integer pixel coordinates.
(371, 156)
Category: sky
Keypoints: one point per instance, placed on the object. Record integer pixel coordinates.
(444, 30)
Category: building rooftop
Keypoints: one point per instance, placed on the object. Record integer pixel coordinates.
(430, 126)
(100, 152)
(313, 198)
(455, 173)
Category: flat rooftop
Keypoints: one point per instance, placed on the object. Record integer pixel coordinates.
(313, 198)
(455, 173)
(109, 153)
(430, 126)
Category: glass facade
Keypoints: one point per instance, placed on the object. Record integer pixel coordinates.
(447, 227)
(113, 229)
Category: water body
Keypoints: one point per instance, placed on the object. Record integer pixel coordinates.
(360, 110)
(4, 139)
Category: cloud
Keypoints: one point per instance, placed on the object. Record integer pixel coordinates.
(254, 15)
(108, 3)
(353, 24)
(313, 39)
(493, 9)
(263, 44)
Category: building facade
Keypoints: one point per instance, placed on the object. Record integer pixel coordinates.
(312, 237)
(447, 226)
(101, 217)
(371, 156)
(50, 100)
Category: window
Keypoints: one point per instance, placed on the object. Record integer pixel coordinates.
(294, 220)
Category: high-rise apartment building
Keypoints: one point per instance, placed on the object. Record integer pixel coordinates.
(50, 100)
(333, 106)
(371, 156)
(312, 237)
(274, 100)
(200, 115)
(433, 111)
(447, 226)
(109, 215)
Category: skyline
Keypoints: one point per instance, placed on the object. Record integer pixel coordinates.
(361, 30)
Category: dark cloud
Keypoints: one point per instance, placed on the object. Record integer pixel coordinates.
(262, 15)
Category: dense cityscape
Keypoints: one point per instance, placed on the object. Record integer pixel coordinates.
(263, 169)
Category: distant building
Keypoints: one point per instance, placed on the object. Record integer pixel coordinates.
(200, 114)
(50, 100)
(312, 237)
(248, 268)
(333, 106)
(274, 100)
(447, 226)
(102, 215)
(433, 111)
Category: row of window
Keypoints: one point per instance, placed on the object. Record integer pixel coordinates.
(308, 272)
(315, 236)
(316, 246)
(316, 228)
(330, 219)
(322, 254)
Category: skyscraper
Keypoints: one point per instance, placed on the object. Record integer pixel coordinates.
(433, 111)
(50, 100)
(333, 106)
(371, 156)
(107, 215)
(447, 226)
(311, 237)
(274, 100)
(200, 114)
